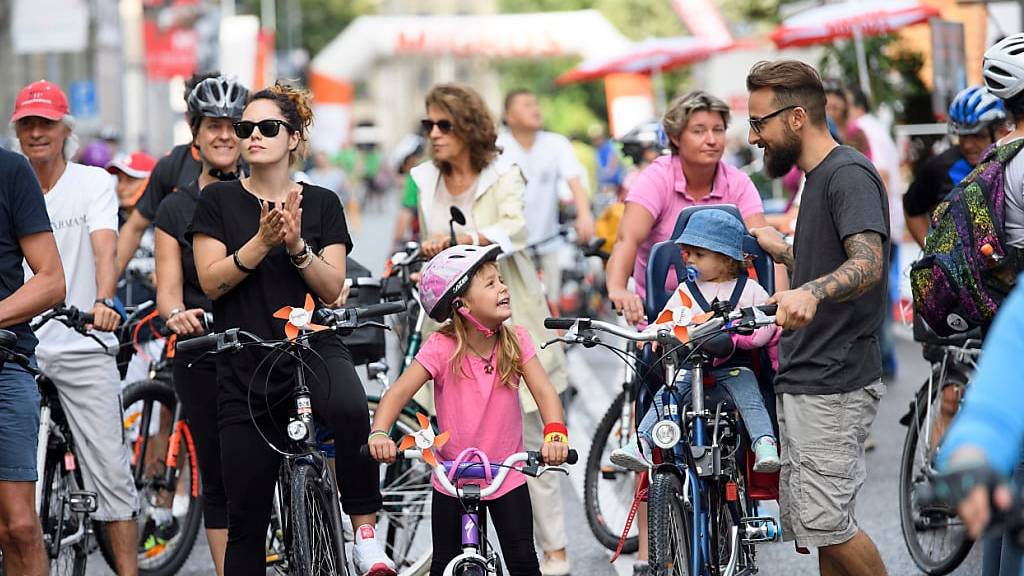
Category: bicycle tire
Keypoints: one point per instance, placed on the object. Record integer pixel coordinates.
(407, 492)
(595, 485)
(911, 474)
(668, 527)
(58, 483)
(171, 558)
(316, 545)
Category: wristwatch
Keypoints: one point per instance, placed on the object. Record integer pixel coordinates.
(108, 302)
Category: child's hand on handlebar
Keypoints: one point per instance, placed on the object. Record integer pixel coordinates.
(383, 449)
(554, 453)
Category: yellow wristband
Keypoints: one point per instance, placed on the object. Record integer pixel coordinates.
(556, 437)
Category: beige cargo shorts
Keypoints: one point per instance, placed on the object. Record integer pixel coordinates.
(822, 440)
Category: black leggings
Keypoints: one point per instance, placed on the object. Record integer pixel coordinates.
(251, 466)
(197, 391)
(512, 517)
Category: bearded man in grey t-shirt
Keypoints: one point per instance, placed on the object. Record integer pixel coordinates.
(829, 378)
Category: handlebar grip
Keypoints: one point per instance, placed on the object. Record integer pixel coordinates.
(383, 309)
(769, 309)
(573, 457)
(200, 343)
(364, 452)
(559, 323)
(86, 317)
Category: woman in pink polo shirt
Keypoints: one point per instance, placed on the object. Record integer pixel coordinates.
(693, 174)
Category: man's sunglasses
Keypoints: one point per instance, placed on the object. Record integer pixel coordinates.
(445, 126)
(757, 124)
(269, 128)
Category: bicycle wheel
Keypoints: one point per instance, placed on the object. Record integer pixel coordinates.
(935, 536)
(405, 518)
(608, 489)
(668, 526)
(315, 542)
(65, 532)
(164, 545)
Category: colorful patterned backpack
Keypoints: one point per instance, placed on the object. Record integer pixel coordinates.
(966, 273)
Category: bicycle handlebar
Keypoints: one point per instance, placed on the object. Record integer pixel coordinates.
(733, 321)
(952, 487)
(335, 320)
(67, 315)
(533, 467)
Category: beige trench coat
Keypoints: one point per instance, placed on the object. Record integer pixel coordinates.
(499, 214)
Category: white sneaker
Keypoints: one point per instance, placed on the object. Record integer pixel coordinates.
(631, 456)
(368, 554)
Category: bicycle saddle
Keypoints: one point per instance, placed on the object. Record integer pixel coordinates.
(8, 339)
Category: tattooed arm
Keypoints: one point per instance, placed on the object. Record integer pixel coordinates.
(861, 271)
(217, 270)
(774, 244)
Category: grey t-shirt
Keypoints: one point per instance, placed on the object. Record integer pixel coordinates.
(1013, 178)
(838, 351)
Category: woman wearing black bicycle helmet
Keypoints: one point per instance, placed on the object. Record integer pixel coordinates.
(261, 243)
(213, 106)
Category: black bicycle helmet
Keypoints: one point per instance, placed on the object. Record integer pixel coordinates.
(218, 97)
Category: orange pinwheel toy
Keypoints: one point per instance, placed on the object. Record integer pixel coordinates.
(425, 440)
(299, 319)
(682, 317)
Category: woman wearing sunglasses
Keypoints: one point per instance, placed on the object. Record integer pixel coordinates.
(261, 243)
(213, 106)
(692, 174)
(467, 171)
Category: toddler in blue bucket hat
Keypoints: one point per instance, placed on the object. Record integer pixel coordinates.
(712, 245)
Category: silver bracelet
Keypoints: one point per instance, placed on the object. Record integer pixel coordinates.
(175, 312)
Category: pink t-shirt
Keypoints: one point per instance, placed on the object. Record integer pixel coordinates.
(476, 410)
(661, 189)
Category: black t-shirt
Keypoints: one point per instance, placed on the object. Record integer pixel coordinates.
(932, 183)
(22, 212)
(227, 212)
(839, 350)
(176, 170)
(174, 217)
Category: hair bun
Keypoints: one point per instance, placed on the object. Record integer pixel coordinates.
(301, 98)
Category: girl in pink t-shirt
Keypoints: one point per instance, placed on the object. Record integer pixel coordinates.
(477, 363)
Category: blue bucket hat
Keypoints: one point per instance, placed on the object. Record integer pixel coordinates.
(715, 230)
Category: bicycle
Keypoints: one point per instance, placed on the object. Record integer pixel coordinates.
(703, 520)
(935, 538)
(477, 557)
(306, 496)
(164, 462)
(62, 504)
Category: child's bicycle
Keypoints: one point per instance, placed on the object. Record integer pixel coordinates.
(477, 557)
(703, 517)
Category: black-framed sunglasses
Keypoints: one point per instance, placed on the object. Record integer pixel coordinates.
(269, 128)
(445, 126)
(757, 124)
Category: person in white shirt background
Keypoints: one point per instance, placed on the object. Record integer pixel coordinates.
(546, 159)
(82, 205)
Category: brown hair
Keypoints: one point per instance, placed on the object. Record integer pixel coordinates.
(793, 83)
(295, 105)
(508, 358)
(682, 109)
(472, 121)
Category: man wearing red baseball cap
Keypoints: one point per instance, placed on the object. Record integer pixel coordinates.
(82, 207)
(26, 238)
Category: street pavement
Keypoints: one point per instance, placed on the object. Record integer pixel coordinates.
(877, 510)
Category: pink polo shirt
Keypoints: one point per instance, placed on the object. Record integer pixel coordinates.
(661, 190)
(476, 410)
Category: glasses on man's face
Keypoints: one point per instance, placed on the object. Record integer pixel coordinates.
(757, 124)
(269, 128)
(445, 126)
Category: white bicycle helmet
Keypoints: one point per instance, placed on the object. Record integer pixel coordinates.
(218, 97)
(446, 276)
(1003, 68)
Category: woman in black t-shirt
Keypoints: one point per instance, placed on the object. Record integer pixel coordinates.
(213, 106)
(262, 243)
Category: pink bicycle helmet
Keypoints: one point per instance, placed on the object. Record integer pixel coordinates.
(447, 275)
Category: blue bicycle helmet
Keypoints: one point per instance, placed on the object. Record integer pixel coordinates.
(973, 110)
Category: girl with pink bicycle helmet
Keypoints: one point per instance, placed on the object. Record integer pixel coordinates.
(476, 361)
